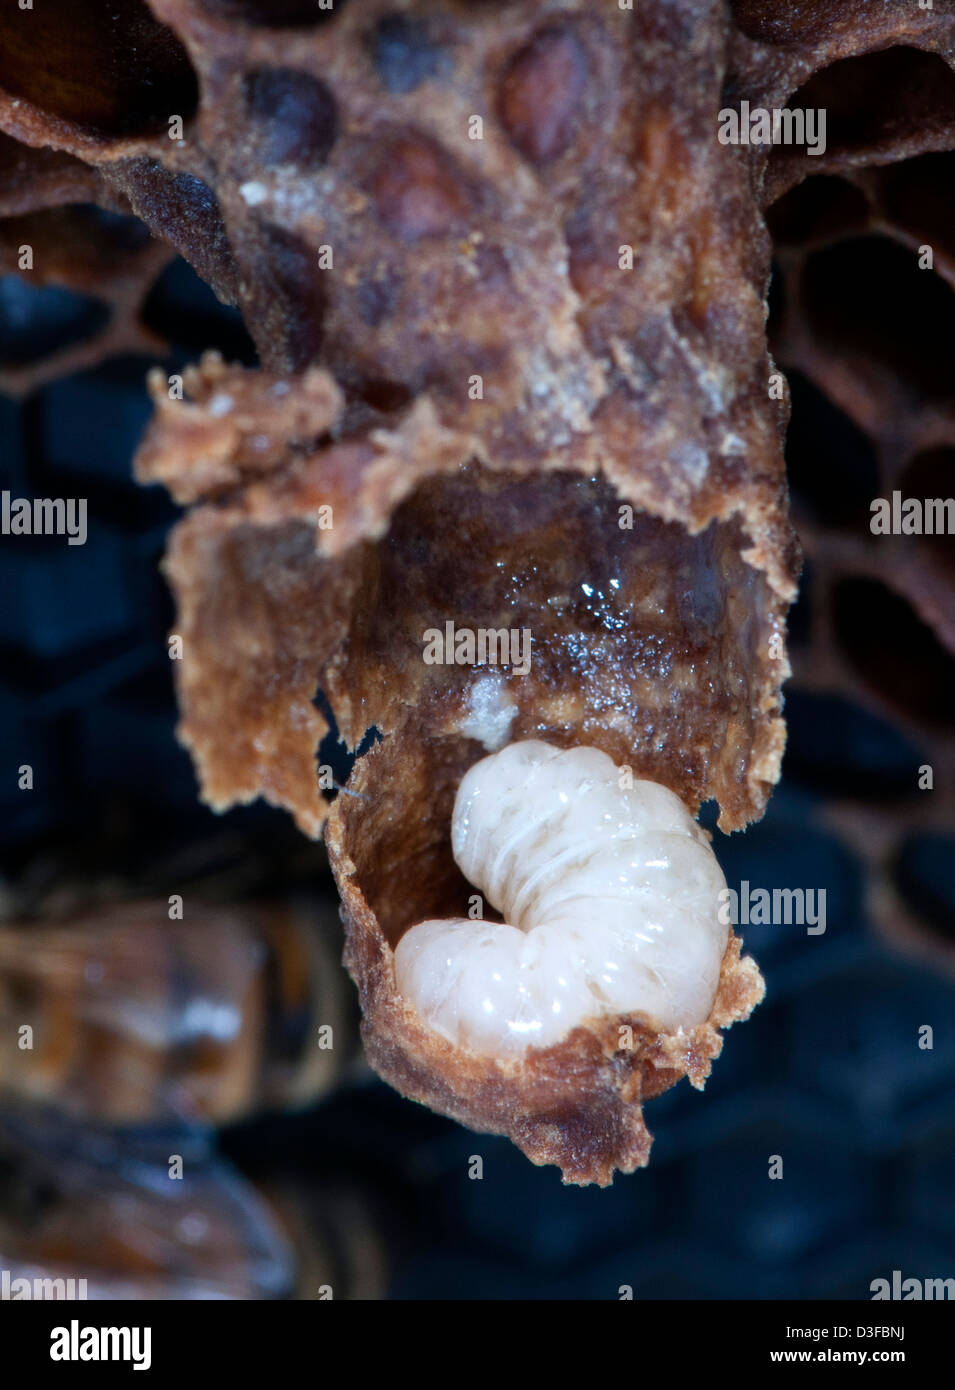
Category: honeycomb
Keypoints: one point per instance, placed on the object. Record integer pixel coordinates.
(280, 158)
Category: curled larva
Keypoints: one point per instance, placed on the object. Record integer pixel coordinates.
(609, 980)
(610, 895)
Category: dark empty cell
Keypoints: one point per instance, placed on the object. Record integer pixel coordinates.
(769, 22)
(881, 96)
(856, 1038)
(112, 69)
(78, 243)
(185, 212)
(838, 748)
(918, 195)
(118, 231)
(543, 1223)
(40, 584)
(930, 477)
(293, 116)
(277, 14)
(37, 320)
(798, 865)
(868, 296)
(89, 424)
(122, 750)
(12, 444)
(820, 1196)
(929, 1191)
(831, 465)
(820, 208)
(403, 55)
(187, 313)
(924, 875)
(893, 651)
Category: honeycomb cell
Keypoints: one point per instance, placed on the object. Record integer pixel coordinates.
(840, 749)
(931, 475)
(418, 192)
(832, 466)
(917, 196)
(821, 208)
(293, 117)
(541, 94)
(896, 655)
(906, 330)
(74, 63)
(881, 97)
(36, 320)
(922, 873)
(182, 309)
(404, 54)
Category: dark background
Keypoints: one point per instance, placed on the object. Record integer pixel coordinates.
(827, 1073)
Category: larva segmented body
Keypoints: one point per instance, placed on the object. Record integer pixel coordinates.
(610, 897)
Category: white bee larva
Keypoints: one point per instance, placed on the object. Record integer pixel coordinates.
(610, 898)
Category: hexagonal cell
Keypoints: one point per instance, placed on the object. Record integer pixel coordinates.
(543, 1223)
(79, 244)
(822, 208)
(918, 196)
(74, 63)
(832, 467)
(840, 749)
(824, 1193)
(37, 320)
(292, 117)
(931, 476)
(922, 873)
(184, 311)
(896, 655)
(867, 296)
(404, 54)
(874, 99)
(856, 1039)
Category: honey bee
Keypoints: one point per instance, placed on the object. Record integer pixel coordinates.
(121, 1016)
(100, 1214)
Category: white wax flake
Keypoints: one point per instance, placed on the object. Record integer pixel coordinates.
(491, 712)
(253, 193)
(611, 901)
